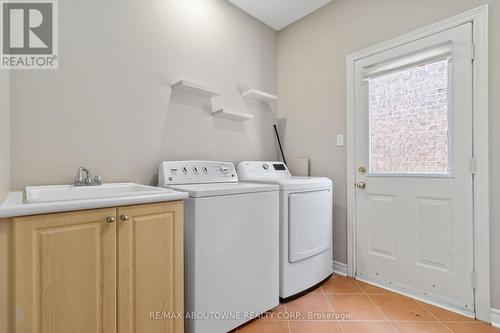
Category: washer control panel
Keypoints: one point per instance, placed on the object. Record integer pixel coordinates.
(248, 170)
(196, 172)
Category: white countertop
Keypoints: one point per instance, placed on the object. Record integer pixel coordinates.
(14, 205)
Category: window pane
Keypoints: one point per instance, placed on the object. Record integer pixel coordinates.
(409, 120)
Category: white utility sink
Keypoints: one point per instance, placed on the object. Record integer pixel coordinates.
(57, 193)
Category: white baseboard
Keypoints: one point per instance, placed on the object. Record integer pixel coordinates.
(339, 268)
(495, 318)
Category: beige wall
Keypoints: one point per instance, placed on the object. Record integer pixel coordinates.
(4, 134)
(311, 89)
(109, 106)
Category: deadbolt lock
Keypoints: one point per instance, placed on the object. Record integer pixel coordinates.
(362, 170)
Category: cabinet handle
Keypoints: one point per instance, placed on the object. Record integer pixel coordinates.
(110, 219)
(124, 218)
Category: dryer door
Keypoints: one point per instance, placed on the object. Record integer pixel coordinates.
(309, 224)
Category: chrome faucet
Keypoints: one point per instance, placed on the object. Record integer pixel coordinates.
(84, 178)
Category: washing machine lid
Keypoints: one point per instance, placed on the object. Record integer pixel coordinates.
(299, 183)
(218, 189)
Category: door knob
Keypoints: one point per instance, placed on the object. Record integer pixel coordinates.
(110, 219)
(124, 218)
(361, 185)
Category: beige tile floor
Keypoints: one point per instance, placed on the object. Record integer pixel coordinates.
(369, 309)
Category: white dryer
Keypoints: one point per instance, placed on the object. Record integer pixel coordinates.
(305, 224)
(231, 244)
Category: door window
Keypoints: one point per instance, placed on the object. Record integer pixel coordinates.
(409, 120)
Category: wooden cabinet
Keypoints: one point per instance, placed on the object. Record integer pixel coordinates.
(150, 268)
(64, 272)
(99, 271)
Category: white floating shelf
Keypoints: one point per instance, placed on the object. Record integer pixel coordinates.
(232, 115)
(258, 95)
(193, 88)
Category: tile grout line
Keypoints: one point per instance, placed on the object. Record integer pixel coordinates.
(432, 314)
(376, 306)
(331, 307)
(420, 305)
(288, 320)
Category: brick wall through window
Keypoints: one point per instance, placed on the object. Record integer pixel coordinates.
(409, 120)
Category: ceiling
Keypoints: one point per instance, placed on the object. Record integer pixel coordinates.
(279, 13)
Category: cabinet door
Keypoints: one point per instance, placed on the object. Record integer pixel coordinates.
(65, 273)
(150, 268)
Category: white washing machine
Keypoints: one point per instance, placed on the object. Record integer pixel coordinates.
(305, 224)
(231, 244)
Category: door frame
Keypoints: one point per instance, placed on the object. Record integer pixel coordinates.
(479, 19)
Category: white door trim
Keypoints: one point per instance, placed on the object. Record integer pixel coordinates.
(479, 19)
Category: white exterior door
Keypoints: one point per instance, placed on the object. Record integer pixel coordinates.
(414, 168)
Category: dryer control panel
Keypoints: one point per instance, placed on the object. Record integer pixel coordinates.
(248, 170)
(196, 172)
